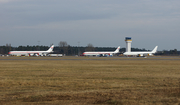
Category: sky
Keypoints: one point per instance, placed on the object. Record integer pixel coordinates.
(102, 23)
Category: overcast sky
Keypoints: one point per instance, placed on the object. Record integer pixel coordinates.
(103, 23)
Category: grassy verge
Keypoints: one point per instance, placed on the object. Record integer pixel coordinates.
(89, 81)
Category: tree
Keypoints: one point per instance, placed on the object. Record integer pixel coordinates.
(63, 47)
(173, 52)
(8, 46)
(90, 47)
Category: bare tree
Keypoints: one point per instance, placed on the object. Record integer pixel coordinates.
(8, 47)
(90, 47)
(63, 46)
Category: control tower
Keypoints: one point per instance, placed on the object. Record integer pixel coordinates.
(128, 44)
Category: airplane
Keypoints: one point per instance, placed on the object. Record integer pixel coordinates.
(32, 53)
(101, 53)
(142, 54)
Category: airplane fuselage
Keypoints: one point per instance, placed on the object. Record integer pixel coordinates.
(31, 53)
(145, 53)
(97, 53)
(28, 52)
(103, 53)
(136, 53)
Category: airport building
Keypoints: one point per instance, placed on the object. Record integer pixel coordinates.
(128, 41)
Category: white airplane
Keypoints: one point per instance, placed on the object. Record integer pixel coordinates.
(142, 54)
(101, 53)
(32, 53)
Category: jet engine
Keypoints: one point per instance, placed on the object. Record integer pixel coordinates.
(31, 54)
(140, 55)
(150, 54)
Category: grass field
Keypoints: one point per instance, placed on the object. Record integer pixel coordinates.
(77, 81)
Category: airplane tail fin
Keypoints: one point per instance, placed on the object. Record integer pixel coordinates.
(117, 50)
(51, 48)
(155, 49)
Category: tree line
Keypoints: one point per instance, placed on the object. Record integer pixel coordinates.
(64, 48)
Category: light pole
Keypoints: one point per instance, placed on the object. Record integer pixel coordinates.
(78, 48)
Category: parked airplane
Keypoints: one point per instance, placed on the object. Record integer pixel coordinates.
(101, 53)
(32, 53)
(141, 54)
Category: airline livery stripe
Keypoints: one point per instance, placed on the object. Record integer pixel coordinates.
(96, 53)
(24, 52)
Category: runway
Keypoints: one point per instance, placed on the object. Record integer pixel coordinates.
(92, 58)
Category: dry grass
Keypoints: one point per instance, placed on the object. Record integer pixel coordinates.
(89, 81)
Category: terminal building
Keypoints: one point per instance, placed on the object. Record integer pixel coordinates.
(128, 41)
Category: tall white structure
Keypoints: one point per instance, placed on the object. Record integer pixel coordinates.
(128, 44)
